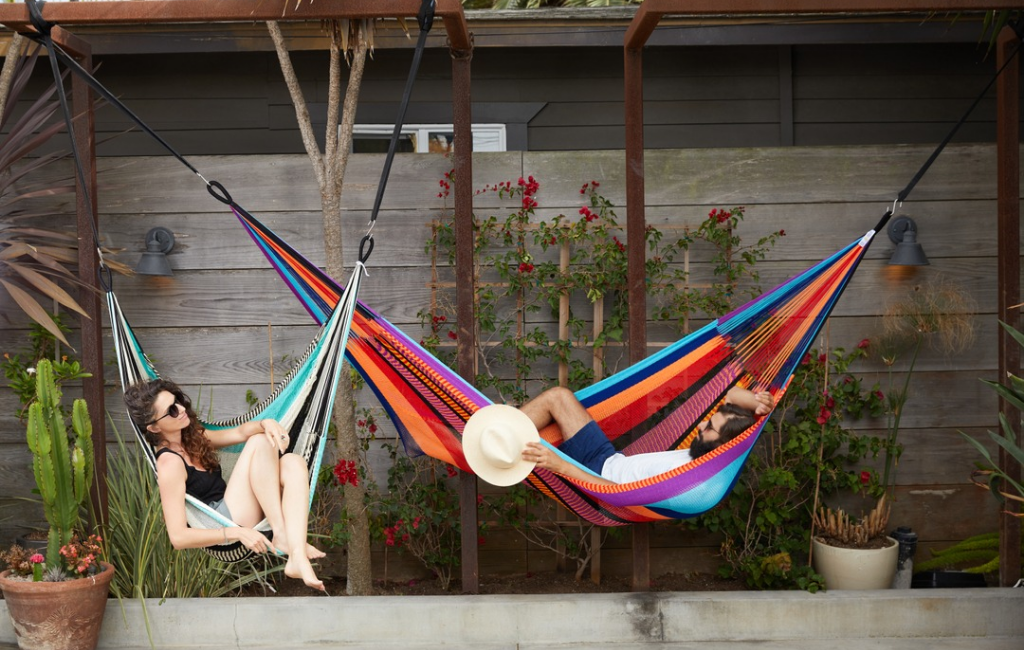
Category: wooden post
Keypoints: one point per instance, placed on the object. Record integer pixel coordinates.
(1008, 278)
(636, 225)
(465, 295)
(595, 531)
(88, 273)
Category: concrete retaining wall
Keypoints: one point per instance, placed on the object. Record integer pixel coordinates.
(626, 619)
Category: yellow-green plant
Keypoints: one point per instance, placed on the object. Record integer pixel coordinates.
(63, 471)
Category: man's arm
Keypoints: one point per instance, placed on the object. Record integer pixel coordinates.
(760, 403)
(534, 452)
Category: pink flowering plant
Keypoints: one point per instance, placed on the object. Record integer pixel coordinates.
(80, 558)
(528, 266)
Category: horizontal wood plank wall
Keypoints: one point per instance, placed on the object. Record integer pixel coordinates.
(565, 99)
(207, 326)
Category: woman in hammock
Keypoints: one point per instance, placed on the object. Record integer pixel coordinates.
(263, 484)
(586, 443)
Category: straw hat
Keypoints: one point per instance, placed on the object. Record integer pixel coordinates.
(493, 441)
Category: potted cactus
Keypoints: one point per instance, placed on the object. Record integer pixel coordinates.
(58, 600)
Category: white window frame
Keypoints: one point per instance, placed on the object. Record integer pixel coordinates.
(422, 133)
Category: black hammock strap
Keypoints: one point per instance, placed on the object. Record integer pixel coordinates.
(905, 192)
(425, 19)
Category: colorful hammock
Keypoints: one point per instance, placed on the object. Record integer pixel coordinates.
(659, 401)
(302, 403)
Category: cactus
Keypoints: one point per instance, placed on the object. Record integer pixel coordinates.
(63, 472)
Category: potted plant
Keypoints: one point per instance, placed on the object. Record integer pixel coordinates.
(57, 600)
(940, 314)
(853, 554)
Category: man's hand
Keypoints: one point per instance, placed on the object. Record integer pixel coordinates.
(760, 403)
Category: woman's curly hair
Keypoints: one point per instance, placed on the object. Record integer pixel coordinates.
(139, 398)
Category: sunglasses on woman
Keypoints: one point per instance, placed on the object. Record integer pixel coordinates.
(173, 411)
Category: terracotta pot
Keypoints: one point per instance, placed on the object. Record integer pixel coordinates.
(856, 568)
(58, 615)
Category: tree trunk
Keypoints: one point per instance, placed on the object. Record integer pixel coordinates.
(7, 74)
(329, 169)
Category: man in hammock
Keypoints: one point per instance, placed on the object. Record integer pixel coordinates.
(586, 443)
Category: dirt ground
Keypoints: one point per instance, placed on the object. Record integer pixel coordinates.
(530, 583)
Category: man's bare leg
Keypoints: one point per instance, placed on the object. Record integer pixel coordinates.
(558, 405)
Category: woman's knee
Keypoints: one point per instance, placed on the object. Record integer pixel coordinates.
(294, 465)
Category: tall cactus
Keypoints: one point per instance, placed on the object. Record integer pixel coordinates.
(63, 473)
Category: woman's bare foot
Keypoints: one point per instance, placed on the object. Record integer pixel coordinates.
(299, 567)
(280, 543)
(313, 553)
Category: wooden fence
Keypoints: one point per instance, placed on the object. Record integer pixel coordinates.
(213, 325)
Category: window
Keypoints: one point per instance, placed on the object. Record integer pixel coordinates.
(424, 138)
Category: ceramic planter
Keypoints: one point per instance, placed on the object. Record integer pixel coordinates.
(58, 615)
(856, 568)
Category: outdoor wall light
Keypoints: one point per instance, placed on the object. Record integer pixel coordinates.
(159, 242)
(903, 233)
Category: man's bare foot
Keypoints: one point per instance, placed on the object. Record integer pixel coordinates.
(299, 567)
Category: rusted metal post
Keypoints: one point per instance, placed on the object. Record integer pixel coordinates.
(1008, 277)
(636, 226)
(465, 293)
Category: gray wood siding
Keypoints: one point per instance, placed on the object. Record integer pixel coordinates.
(207, 327)
(568, 99)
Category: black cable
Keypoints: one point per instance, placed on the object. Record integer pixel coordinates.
(956, 127)
(425, 18)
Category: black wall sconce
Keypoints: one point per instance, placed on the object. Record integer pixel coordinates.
(159, 242)
(903, 232)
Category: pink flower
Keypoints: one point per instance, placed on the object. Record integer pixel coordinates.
(37, 558)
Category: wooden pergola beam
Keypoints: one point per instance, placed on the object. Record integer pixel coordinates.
(647, 18)
(16, 17)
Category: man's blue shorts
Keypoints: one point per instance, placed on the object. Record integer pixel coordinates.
(590, 447)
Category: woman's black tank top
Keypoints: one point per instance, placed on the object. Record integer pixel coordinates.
(205, 485)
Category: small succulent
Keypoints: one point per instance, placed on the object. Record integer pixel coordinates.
(55, 574)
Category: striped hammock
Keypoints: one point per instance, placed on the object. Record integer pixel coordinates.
(658, 402)
(302, 403)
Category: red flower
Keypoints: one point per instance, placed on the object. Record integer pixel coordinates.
(822, 358)
(373, 428)
(525, 267)
(879, 395)
(480, 541)
(451, 471)
(865, 477)
(346, 471)
(782, 233)
(864, 344)
(452, 335)
(37, 558)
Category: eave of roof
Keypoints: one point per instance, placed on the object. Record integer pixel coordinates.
(604, 27)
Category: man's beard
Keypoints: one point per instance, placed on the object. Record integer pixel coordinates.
(699, 447)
